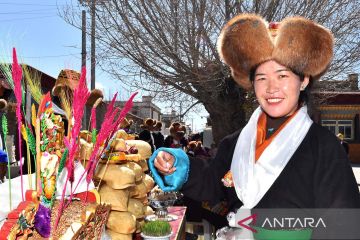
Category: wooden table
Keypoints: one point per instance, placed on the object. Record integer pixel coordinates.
(178, 226)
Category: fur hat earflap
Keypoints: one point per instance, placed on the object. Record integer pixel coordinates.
(298, 43)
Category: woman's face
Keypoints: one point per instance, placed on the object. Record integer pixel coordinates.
(277, 89)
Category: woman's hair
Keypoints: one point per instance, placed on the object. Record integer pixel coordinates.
(304, 97)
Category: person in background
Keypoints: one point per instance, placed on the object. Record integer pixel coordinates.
(176, 139)
(158, 136)
(3, 165)
(146, 134)
(343, 142)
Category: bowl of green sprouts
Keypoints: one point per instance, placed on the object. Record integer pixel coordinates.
(159, 230)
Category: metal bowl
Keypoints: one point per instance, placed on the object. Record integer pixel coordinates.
(160, 201)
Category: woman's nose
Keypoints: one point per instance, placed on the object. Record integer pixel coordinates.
(272, 86)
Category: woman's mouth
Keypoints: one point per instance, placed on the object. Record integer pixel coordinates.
(274, 100)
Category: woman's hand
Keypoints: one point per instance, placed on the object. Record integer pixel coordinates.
(164, 163)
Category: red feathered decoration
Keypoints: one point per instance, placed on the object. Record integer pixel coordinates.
(17, 76)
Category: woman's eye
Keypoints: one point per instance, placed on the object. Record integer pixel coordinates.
(283, 76)
(260, 79)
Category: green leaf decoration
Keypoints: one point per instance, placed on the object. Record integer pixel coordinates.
(4, 125)
(93, 135)
(31, 141)
(63, 160)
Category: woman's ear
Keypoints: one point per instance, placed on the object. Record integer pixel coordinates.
(304, 83)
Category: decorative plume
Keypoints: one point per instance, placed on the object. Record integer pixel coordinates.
(81, 94)
(42, 221)
(17, 76)
(63, 160)
(108, 128)
(33, 80)
(65, 97)
(93, 135)
(33, 115)
(93, 113)
(4, 125)
(31, 141)
(6, 72)
(26, 139)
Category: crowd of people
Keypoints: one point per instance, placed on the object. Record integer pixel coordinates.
(178, 138)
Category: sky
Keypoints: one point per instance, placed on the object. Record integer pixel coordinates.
(45, 41)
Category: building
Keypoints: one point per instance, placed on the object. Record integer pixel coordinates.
(169, 118)
(340, 112)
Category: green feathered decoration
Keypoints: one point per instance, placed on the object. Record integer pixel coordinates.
(4, 125)
(31, 141)
(93, 135)
(63, 160)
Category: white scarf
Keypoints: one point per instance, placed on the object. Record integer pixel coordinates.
(252, 180)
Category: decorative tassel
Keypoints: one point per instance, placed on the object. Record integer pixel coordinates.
(81, 94)
(33, 115)
(42, 221)
(17, 76)
(34, 83)
(5, 132)
(63, 160)
(25, 137)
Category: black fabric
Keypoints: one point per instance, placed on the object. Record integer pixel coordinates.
(345, 146)
(145, 135)
(158, 139)
(318, 175)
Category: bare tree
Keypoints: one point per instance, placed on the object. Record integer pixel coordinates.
(168, 47)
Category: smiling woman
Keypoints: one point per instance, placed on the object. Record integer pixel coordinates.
(277, 89)
(280, 159)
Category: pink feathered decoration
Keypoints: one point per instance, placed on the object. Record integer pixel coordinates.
(108, 128)
(81, 94)
(17, 76)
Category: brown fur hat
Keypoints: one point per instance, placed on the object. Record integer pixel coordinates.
(126, 123)
(148, 123)
(299, 44)
(158, 125)
(68, 80)
(177, 129)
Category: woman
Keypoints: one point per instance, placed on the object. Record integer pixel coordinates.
(280, 159)
(176, 139)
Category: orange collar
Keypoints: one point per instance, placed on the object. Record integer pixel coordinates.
(261, 142)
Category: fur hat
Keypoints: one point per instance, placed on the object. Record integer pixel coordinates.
(148, 123)
(340, 136)
(158, 125)
(126, 123)
(296, 42)
(68, 80)
(177, 129)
